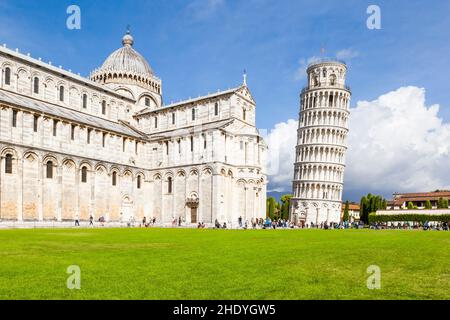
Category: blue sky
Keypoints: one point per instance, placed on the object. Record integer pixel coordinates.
(200, 46)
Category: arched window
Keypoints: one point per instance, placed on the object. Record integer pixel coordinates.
(332, 80)
(114, 178)
(103, 107)
(193, 114)
(49, 168)
(156, 122)
(84, 174)
(84, 101)
(36, 85)
(316, 80)
(61, 93)
(173, 117)
(8, 163)
(8, 76)
(138, 182)
(169, 185)
(216, 109)
(244, 114)
(147, 101)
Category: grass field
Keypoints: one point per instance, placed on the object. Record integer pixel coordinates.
(223, 264)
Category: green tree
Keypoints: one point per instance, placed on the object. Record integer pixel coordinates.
(440, 204)
(445, 204)
(276, 214)
(369, 204)
(271, 207)
(428, 204)
(346, 211)
(285, 200)
(410, 205)
(363, 209)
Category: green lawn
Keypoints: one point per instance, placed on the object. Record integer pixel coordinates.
(223, 264)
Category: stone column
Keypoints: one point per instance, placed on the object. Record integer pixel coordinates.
(174, 195)
(40, 205)
(19, 179)
(59, 195)
(245, 217)
(77, 190)
(200, 217)
(92, 193)
(215, 196)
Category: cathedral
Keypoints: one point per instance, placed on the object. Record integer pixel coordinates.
(107, 146)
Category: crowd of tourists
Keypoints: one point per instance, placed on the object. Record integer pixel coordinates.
(268, 223)
(427, 225)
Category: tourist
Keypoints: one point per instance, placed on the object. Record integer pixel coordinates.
(268, 222)
(179, 221)
(91, 220)
(77, 221)
(224, 225)
(240, 221)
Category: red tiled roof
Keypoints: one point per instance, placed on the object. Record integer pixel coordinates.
(351, 206)
(400, 198)
(437, 194)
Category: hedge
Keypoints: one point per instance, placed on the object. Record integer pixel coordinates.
(373, 217)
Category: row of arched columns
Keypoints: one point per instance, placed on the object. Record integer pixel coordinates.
(142, 80)
(332, 192)
(47, 186)
(323, 135)
(330, 173)
(37, 84)
(332, 118)
(320, 154)
(325, 99)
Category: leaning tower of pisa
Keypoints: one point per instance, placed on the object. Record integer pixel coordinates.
(321, 144)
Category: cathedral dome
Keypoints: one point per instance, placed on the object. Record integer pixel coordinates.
(127, 60)
(126, 66)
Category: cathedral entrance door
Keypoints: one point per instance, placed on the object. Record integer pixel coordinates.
(127, 209)
(194, 215)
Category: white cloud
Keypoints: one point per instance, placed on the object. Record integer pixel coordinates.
(281, 141)
(347, 54)
(396, 143)
(203, 9)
